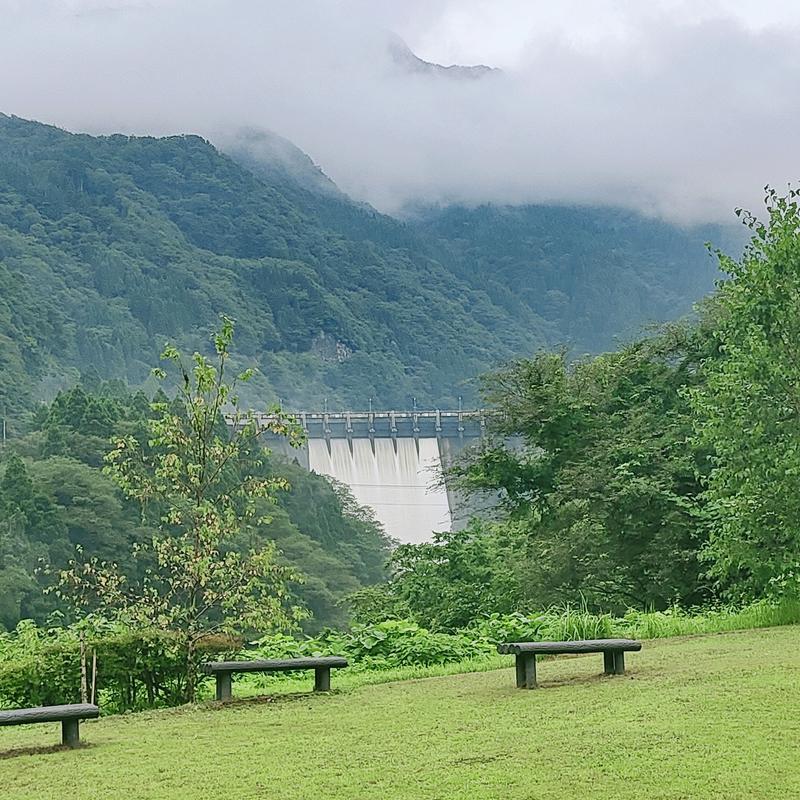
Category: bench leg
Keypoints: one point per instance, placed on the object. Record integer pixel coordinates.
(526, 671)
(520, 665)
(70, 732)
(608, 662)
(224, 689)
(614, 662)
(619, 662)
(322, 679)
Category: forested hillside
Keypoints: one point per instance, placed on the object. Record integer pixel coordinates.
(594, 275)
(109, 246)
(54, 497)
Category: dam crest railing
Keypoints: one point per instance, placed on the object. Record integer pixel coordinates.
(394, 425)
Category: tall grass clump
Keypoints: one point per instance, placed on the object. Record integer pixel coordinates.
(678, 622)
(569, 623)
(555, 624)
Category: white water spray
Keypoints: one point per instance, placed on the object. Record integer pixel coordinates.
(401, 487)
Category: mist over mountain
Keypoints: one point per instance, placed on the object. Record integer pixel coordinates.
(672, 109)
(279, 161)
(110, 246)
(405, 58)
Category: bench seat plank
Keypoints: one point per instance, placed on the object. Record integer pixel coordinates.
(558, 648)
(69, 716)
(274, 664)
(26, 716)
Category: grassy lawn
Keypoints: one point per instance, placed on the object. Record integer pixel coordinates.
(707, 717)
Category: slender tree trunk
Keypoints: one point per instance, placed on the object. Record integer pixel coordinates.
(94, 676)
(84, 689)
(191, 671)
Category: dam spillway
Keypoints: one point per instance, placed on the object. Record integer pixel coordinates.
(401, 486)
(392, 462)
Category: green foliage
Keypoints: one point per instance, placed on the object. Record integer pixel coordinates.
(145, 668)
(38, 667)
(203, 491)
(374, 604)
(568, 624)
(398, 643)
(553, 625)
(401, 642)
(49, 506)
(135, 669)
(382, 645)
(595, 493)
(748, 409)
(57, 498)
(450, 581)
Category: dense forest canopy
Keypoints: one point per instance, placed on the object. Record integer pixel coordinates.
(109, 246)
(55, 497)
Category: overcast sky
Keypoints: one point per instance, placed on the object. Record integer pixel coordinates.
(684, 109)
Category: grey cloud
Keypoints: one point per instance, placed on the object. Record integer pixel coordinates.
(682, 115)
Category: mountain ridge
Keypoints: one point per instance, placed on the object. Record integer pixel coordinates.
(405, 58)
(111, 245)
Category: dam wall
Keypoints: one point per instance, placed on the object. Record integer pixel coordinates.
(393, 462)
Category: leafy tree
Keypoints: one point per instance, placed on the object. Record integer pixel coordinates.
(195, 481)
(31, 528)
(748, 409)
(453, 580)
(596, 493)
(316, 525)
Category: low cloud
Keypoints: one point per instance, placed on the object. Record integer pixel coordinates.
(672, 112)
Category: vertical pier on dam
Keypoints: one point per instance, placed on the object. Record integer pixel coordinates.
(392, 461)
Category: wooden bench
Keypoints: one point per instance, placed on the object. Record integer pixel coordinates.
(613, 651)
(223, 670)
(69, 716)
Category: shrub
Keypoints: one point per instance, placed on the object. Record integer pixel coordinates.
(144, 668)
(374, 604)
(400, 643)
(136, 669)
(385, 645)
(39, 667)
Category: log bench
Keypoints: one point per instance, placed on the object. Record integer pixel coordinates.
(223, 670)
(69, 716)
(613, 651)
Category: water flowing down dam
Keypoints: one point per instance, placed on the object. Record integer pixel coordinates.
(400, 486)
(392, 461)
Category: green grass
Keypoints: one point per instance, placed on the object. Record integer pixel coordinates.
(703, 717)
(561, 624)
(253, 684)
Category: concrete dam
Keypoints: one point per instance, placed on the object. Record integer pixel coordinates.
(392, 461)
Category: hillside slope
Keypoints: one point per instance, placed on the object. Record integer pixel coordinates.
(108, 246)
(594, 275)
(111, 245)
